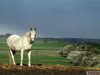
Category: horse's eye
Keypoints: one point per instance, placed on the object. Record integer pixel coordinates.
(30, 33)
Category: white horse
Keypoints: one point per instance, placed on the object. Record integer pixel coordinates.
(21, 43)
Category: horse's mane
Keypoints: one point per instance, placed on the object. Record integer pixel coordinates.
(28, 33)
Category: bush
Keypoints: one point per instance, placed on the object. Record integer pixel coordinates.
(82, 54)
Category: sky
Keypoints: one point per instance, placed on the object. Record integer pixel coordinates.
(52, 18)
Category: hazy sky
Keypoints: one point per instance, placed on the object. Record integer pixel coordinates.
(52, 18)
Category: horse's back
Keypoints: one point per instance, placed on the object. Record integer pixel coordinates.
(11, 39)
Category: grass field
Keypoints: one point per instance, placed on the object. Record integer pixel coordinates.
(43, 55)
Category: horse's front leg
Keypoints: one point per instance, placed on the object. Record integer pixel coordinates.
(29, 58)
(21, 63)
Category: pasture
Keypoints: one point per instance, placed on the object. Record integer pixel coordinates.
(45, 53)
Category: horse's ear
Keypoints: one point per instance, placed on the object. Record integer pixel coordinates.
(34, 28)
(31, 28)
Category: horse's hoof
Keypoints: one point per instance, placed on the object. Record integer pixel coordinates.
(29, 65)
(21, 65)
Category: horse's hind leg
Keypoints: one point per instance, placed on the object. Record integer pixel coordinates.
(10, 59)
(12, 56)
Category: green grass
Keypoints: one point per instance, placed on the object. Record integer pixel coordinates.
(49, 45)
(43, 54)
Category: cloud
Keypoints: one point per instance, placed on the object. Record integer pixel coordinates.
(53, 18)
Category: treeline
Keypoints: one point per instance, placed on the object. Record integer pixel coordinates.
(46, 40)
(81, 40)
(5, 35)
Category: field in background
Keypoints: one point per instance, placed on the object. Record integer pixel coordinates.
(44, 56)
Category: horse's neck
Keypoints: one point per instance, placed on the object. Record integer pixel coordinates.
(26, 39)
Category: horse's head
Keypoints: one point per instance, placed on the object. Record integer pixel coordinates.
(31, 34)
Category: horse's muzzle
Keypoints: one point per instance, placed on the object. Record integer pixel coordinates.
(31, 42)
